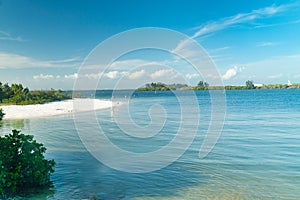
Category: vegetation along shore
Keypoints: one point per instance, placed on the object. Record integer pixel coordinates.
(202, 85)
(16, 94)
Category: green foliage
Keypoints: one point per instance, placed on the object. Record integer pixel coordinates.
(154, 87)
(39, 96)
(250, 85)
(202, 85)
(235, 87)
(177, 86)
(23, 166)
(1, 114)
(297, 85)
(17, 94)
(278, 86)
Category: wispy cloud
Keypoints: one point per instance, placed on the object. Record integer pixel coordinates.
(219, 49)
(276, 62)
(192, 76)
(130, 63)
(8, 60)
(276, 69)
(267, 44)
(137, 74)
(122, 65)
(240, 18)
(276, 24)
(46, 76)
(6, 36)
(275, 76)
(184, 47)
(164, 73)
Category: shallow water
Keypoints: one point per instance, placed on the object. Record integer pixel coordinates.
(256, 157)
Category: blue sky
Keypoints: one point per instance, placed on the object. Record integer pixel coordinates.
(43, 43)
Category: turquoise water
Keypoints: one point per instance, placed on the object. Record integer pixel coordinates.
(256, 157)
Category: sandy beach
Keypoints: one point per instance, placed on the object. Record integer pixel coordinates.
(54, 108)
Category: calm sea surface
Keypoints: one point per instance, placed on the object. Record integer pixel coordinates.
(256, 157)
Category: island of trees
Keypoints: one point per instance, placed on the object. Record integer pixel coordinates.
(202, 85)
(18, 95)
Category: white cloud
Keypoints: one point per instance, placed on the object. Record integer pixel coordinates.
(163, 73)
(93, 76)
(192, 76)
(42, 76)
(6, 36)
(112, 74)
(109, 75)
(232, 72)
(8, 60)
(50, 76)
(137, 74)
(71, 76)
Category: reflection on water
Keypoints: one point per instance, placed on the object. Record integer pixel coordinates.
(106, 183)
(19, 124)
(257, 156)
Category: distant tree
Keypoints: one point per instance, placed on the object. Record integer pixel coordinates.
(1, 114)
(203, 84)
(250, 85)
(1, 93)
(23, 166)
(7, 92)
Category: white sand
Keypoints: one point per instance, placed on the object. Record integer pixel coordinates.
(54, 108)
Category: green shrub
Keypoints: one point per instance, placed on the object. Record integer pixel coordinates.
(23, 166)
(1, 114)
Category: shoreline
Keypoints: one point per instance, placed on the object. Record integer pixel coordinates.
(53, 108)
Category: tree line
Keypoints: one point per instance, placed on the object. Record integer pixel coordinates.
(20, 95)
(155, 87)
(203, 85)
